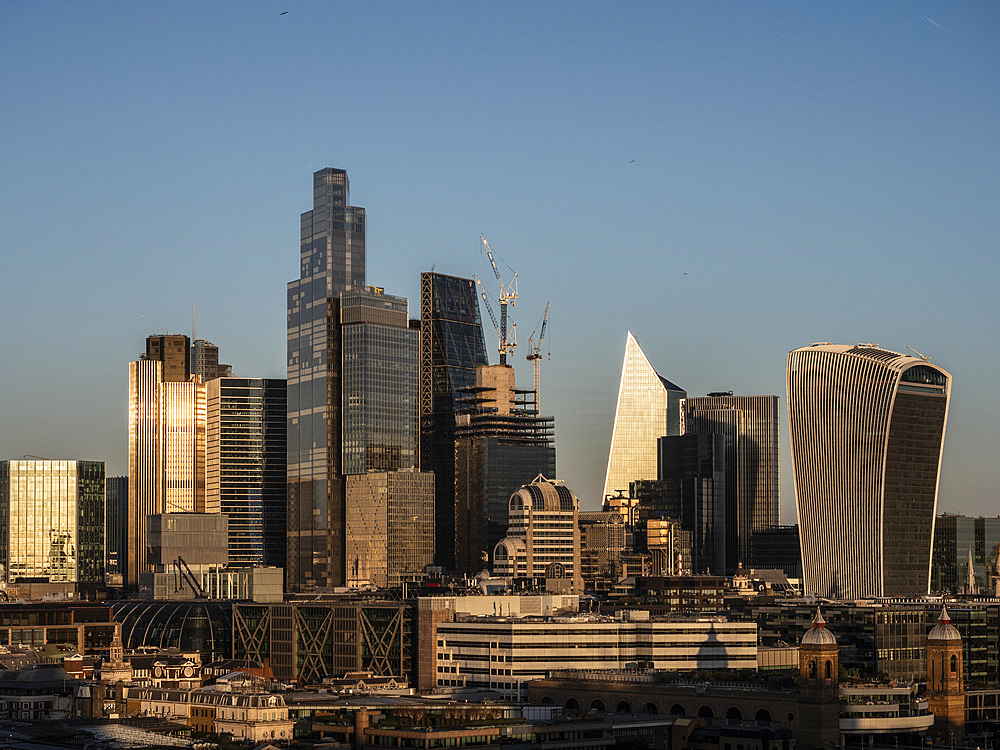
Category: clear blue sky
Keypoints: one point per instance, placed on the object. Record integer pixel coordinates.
(728, 180)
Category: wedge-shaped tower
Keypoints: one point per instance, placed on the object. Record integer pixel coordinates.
(867, 430)
(648, 408)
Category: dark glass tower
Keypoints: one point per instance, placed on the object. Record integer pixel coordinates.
(245, 466)
(332, 260)
(115, 515)
(451, 348)
(750, 427)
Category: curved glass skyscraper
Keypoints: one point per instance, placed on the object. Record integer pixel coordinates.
(867, 429)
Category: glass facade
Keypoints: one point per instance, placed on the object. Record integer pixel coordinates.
(167, 433)
(332, 260)
(452, 346)
(648, 408)
(245, 474)
(379, 387)
(116, 513)
(956, 538)
(390, 527)
(52, 521)
(750, 424)
(866, 439)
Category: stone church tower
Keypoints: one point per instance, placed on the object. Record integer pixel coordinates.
(819, 701)
(945, 679)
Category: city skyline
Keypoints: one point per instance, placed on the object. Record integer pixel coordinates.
(729, 185)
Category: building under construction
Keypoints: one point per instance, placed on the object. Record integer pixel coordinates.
(501, 443)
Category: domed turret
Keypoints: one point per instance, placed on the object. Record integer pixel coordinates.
(818, 635)
(944, 630)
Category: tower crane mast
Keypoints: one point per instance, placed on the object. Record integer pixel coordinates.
(535, 357)
(508, 295)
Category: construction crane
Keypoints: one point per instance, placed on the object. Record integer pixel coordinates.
(508, 295)
(535, 357)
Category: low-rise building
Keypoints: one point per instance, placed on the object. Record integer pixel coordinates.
(502, 653)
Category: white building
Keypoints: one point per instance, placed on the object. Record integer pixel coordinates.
(501, 653)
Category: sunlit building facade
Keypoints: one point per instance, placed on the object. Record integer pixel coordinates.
(332, 260)
(245, 466)
(167, 443)
(52, 521)
(867, 430)
(390, 526)
(648, 408)
(452, 346)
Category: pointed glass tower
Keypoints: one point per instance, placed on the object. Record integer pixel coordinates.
(648, 408)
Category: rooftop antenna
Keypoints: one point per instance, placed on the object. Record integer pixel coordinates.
(924, 357)
(192, 321)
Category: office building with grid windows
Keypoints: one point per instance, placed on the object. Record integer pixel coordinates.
(245, 466)
(867, 430)
(390, 526)
(52, 521)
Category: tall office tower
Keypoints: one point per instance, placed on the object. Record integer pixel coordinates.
(115, 517)
(167, 421)
(246, 466)
(648, 408)
(694, 474)
(543, 539)
(750, 425)
(390, 526)
(956, 538)
(52, 521)
(500, 445)
(379, 382)
(332, 260)
(173, 351)
(451, 348)
(205, 361)
(867, 431)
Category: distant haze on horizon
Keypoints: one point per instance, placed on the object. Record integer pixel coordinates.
(728, 183)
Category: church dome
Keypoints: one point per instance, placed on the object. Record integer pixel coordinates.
(818, 635)
(944, 630)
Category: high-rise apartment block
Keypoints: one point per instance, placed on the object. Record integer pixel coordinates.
(749, 425)
(867, 430)
(52, 521)
(331, 261)
(500, 444)
(167, 430)
(390, 526)
(245, 466)
(648, 408)
(452, 346)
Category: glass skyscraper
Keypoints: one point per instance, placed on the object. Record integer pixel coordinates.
(750, 427)
(867, 430)
(52, 521)
(648, 409)
(245, 466)
(379, 382)
(452, 346)
(331, 261)
(167, 420)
